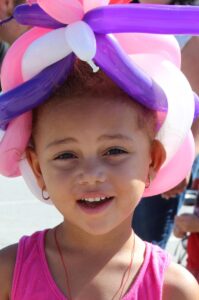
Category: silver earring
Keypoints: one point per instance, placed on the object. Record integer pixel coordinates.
(43, 195)
(147, 185)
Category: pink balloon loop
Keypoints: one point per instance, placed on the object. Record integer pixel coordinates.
(64, 11)
(88, 4)
(175, 171)
(13, 58)
(119, 1)
(18, 131)
(14, 143)
(166, 46)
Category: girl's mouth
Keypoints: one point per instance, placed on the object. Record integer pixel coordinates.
(94, 205)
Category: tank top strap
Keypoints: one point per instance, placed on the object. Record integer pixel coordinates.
(28, 247)
(148, 284)
(17, 267)
(32, 279)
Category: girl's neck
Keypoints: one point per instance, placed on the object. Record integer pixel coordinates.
(75, 239)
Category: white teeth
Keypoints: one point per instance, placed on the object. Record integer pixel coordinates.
(94, 199)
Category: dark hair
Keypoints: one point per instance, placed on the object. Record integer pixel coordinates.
(183, 2)
(18, 2)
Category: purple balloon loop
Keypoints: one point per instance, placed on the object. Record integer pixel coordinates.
(111, 58)
(34, 15)
(196, 100)
(145, 18)
(34, 91)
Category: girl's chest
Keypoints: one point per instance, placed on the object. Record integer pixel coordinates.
(92, 279)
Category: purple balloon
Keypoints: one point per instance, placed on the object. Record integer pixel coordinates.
(196, 99)
(112, 59)
(34, 91)
(33, 15)
(169, 19)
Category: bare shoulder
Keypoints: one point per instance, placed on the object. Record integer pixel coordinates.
(7, 263)
(179, 284)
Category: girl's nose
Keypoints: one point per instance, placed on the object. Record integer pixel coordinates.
(91, 175)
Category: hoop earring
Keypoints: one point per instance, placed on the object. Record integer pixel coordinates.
(43, 196)
(147, 185)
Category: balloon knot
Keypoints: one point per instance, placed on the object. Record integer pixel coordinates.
(93, 66)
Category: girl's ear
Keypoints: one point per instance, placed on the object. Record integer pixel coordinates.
(33, 161)
(158, 156)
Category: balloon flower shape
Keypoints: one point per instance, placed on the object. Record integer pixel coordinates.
(115, 37)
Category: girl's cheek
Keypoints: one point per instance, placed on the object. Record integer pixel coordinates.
(127, 167)
(57, 175)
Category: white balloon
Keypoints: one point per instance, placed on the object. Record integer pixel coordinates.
(44, 52)
(180, 111)
(81, 40)
(180, 98)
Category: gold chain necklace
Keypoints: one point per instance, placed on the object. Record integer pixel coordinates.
(123, 281)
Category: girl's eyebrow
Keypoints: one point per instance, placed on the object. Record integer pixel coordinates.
(118, 136)
(101, 138)
(61, 141)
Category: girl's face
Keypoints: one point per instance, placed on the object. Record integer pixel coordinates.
(92, 150)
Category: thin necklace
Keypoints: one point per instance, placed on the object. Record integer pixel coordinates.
(123, 281)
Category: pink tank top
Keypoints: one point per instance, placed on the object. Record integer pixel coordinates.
(33, 281)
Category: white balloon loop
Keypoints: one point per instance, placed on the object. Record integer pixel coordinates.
(44, 52)
(180, 114)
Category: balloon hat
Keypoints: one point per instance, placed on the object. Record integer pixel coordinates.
(116, 38)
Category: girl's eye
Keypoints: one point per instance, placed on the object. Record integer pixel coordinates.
(66, 155)
(115, 151)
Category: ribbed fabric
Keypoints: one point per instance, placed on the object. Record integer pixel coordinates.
(33, 281)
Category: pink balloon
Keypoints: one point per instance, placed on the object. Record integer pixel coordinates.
(13, 58)
(175, 171)
(14, 143)
(119, 1)
(31, 1)
(64, 11)
(165, 46)
(18, 132)
(88, 4)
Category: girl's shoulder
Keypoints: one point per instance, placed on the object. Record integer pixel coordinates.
(7, 264)
(179, 284)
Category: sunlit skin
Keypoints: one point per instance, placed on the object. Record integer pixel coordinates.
(92, 146)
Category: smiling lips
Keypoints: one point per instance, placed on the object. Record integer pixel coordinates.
(94, 203)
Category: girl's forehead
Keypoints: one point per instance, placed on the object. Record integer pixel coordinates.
(93, 115)
(82, 114)
(89, 124)
(88, 107)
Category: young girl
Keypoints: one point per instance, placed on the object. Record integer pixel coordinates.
(93, 151)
